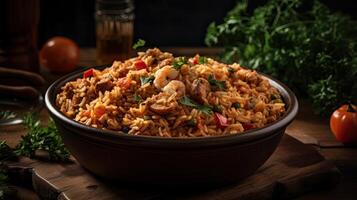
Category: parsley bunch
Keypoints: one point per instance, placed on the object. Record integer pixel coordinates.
(41, 137)
(299, 42)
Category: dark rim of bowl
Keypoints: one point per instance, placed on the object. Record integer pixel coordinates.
(289, 99)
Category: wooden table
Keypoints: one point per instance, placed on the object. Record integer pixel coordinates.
(307, 128)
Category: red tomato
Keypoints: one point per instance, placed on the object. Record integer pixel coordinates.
(139, 64)
(88, 73)
(124, 82)
(195, 60)
(60, 55)
(247, 126)
(221, 121)
(343, 124)
(99, 111)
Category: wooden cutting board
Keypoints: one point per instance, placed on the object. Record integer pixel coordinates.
(293, 169)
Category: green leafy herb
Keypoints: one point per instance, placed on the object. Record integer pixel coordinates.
(145, 80)
(3, 182)
(273, 97)
(217, 108)
(231, 70)
(189, 102)
(7, 114)
(178, 62)
(192, 123)
(302, 43)
(236, 105)
(220, 84)
(40, 137)
(6, 152)
(139, 43)
(202, 60)
(137, 97)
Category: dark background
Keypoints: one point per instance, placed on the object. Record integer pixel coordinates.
(159, 22)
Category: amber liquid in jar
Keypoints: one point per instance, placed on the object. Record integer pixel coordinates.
(114, 41)
(114, 30)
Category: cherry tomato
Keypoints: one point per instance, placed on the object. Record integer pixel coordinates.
(60, 55)
(343, 124)
(139, 64)
(221, 121)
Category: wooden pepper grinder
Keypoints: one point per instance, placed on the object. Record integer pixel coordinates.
(18, 34)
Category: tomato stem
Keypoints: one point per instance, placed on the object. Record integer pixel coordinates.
(350, 108)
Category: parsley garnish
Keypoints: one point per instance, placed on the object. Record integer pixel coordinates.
(137, 97)
(41, 137)
(139, 43)
(145, 80)
(189, 102)
(236, 105)
(217, 108)
(178, 62)
(202, 60)
(191, 122)
(231, 70)
(318, 45)
(220, 84)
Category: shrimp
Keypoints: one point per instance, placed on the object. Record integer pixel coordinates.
(175, 86)
(163, 75)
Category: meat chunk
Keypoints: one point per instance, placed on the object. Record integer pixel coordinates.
(104, 85)
(200, 89)
(162, 109)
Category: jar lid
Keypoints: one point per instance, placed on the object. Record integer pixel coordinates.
(114, 7)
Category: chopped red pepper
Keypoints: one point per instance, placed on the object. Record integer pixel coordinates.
(139, 64)
(247, 126)
(195, 60)
(99, 111)
(88, 73)
(124, 82)
(221, 121)
(87, 113)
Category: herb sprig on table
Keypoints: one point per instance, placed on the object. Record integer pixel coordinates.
(38, 137)
(299, 42)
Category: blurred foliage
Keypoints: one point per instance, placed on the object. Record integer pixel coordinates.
(301, 43)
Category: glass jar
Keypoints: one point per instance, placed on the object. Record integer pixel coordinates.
(114, 30)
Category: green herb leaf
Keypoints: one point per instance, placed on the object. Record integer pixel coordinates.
(189, 102)
(236, 105)
(306, 36)
(178, 62)
(145, 80)
(220, 84)
(6, 152)
(217, 108)
(41, 137)
(137, 97)
(231, 70)
(139, 43)
(202, 60)
(191, 122)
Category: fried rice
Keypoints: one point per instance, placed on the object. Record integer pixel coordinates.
(157, 94)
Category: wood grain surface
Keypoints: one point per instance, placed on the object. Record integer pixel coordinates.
(293, 169)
